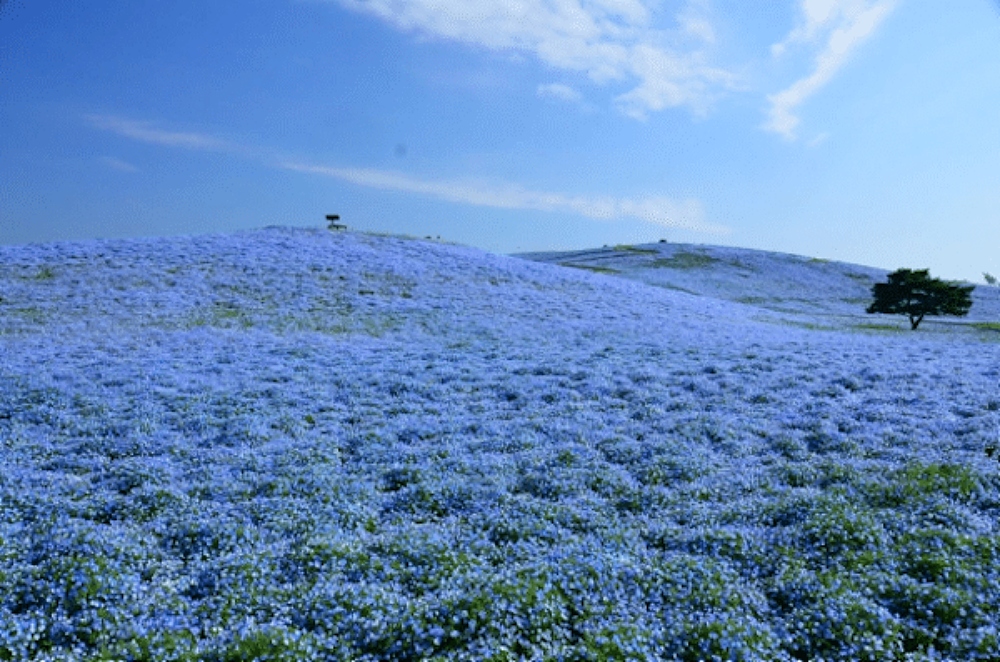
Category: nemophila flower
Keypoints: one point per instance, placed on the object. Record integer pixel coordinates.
(288, 445)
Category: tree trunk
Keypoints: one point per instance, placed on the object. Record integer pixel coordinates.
(915, 321)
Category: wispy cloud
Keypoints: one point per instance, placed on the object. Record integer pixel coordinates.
(607, 40)
(659, 210)
(559, 92)
(818, 140)
(656, 209)
(118, 164)
(146, 132)
(834, 29)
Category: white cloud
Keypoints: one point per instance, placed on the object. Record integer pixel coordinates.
(835, 29)
(693, 21)
(607, 40)
(659, 210)
(668, 82)
(559, 92)
(815, 14)
(146, 133)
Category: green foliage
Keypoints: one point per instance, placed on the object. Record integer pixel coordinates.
(989, 278)
(685, 260)
(921, 481)
(588, 267)
(878, 327)
(635, 249)
(915, 294)
(265, 645)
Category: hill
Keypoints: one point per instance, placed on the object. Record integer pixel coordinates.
(822, 293)
(297, 445)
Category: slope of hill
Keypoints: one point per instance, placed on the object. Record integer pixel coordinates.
(294, 445)
(834, 293)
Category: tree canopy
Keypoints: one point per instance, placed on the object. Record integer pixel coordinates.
(912, 292)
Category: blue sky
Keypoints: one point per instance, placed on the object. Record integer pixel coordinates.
(860, 130)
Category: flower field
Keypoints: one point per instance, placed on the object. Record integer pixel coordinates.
(296, 445)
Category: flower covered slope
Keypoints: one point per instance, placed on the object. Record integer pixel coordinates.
(833, 294)
(290, 445)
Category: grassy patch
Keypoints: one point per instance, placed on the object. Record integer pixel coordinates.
(879, 327)
(919, 482)
(223, 315)
(589, 267)
(812, 326)
(685, 260)
(26, 273)
(633, 249)
(752, 300)
(987, 326)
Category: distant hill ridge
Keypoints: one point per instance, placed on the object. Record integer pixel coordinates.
(778, 282)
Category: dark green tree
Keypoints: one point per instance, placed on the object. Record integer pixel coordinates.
(912, 292)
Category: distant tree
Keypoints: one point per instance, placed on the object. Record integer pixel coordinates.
(915, 294)
(989, 278)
